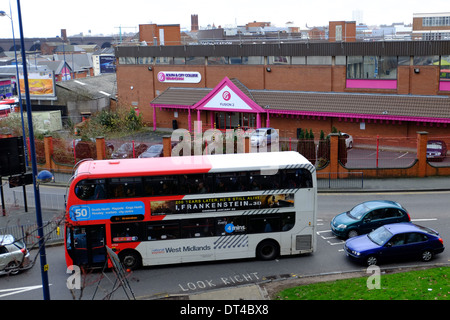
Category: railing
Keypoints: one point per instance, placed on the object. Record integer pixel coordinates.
(350, 180)
(50, 201)
(29, 233)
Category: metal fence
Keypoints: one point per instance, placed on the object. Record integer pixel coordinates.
(351, 180)
(29, 233)
(51, 201)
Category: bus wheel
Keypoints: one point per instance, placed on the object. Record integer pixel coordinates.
(267, 250)
(130, 259)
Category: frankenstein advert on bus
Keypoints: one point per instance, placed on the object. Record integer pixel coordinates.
(221, 204)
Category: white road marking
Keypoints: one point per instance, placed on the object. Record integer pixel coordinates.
(9, 292)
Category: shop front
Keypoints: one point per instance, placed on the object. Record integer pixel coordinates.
(224, 107)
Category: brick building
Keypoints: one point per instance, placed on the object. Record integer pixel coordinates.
(160, 35)
(431, 26)
(363, 88)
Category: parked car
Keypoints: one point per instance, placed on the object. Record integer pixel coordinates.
(436, 150)
(153, 151)
(264, 136)
(368, 216)
(393, 242)
(348, 140)
(126, 150)
(14, 255)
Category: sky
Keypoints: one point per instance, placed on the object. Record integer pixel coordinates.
(45, 18)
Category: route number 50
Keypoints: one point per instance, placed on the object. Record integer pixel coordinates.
(81, 213)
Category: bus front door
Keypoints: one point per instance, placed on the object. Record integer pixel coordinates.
(88, 247)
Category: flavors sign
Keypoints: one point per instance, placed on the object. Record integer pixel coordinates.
(179, 77)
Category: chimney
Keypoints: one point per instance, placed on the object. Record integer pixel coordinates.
(194, 22)
(64, 35)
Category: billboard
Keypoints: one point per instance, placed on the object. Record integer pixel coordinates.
(41, 84)
(107, 64)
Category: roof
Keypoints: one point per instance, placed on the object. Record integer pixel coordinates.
(391, 107)
(92, 87)
(406, 227)
(373, 204)
(195, 164)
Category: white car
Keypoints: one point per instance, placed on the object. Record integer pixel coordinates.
(263, 137)
(14, 255)
(348, 140)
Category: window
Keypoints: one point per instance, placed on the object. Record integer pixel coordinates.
(145, 60)
(179, 60)
(445, 68)
(153, 186)
(164, 60)
(404, 60)
(278, 60)
(127, 60)
(195, 60)
(126, 232)
(340, 60)
(160, 186)
(235, 60)
(231, 225)
(372, 67)
(415, 237)
(318, 60)
(264, 224)
(163, 230)
(425, 60)
(217, 60)
(125, 187)
(91, 189)
(436, 21)
(298, 60)
(195, 228)
(253, 60)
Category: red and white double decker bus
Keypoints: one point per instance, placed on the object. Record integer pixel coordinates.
(188, 209)
(6, 106)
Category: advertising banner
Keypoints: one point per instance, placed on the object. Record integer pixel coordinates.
(221, 204)
(41, 84)
(179, 77)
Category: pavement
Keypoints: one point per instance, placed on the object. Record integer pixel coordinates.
(262, 291)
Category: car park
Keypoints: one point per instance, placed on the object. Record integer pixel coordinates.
(14, 255)
(436, 150)
(129, 150)
(395, 242)
(264, 136)
(367, 216)
(153, 151)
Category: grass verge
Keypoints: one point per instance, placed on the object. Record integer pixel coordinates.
(429, 284)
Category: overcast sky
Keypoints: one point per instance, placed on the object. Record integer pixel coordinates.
(45, 18)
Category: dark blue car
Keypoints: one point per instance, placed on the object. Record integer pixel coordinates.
(395, 241)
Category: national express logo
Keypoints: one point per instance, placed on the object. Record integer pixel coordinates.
(226, 95)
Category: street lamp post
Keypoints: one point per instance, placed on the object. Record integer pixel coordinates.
(37, 198)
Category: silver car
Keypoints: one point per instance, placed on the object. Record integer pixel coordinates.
(264, 136)
(14, 255)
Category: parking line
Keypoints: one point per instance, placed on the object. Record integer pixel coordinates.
(429, 219)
